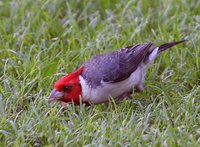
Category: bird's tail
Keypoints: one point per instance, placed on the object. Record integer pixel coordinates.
(156, 50)
(166, 46)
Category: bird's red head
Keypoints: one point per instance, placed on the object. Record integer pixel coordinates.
(68, 88)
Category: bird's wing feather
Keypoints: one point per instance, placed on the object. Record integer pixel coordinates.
(116, 66)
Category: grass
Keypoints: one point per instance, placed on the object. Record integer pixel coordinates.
(42, 40)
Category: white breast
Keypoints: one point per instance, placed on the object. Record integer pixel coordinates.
(102, 93)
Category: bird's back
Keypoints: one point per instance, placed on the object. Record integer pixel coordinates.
(116, 66)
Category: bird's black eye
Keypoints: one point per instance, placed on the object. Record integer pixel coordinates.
(67, 88)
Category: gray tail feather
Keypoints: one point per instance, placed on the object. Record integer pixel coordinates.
(165, 46)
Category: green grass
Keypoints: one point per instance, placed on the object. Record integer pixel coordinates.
(42, 40)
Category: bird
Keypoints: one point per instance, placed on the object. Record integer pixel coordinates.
(113, 75)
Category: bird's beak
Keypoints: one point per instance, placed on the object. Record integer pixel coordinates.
(55, 95)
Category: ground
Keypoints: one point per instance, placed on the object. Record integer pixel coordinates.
(42, 40)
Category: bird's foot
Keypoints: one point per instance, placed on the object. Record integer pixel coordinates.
(64, 105)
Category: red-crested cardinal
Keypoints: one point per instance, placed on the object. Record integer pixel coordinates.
(109, 75)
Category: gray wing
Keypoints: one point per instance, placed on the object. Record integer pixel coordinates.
(116, 66)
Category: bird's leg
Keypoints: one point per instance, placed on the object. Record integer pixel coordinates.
(120, 98)
(140, 87)
(106, 104)
(124, 96)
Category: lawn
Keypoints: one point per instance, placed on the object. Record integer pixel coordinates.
(42, 40)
